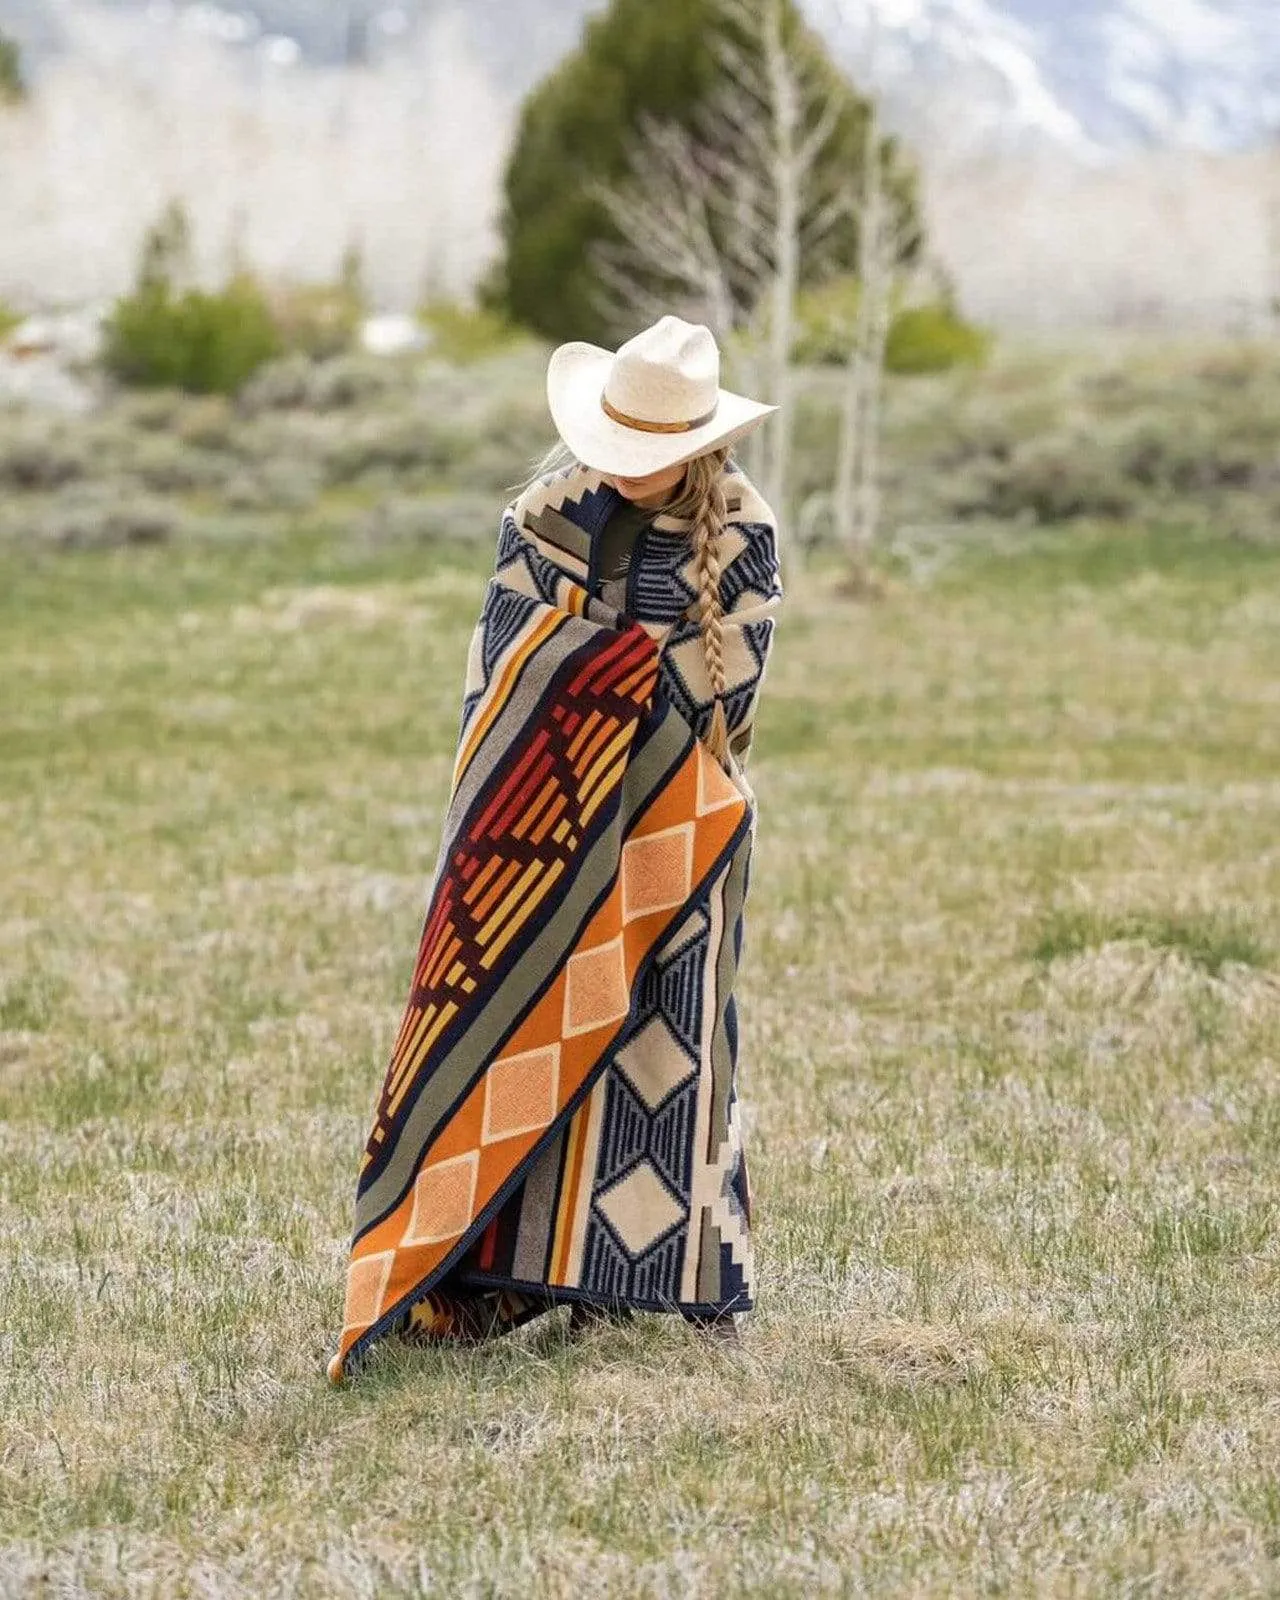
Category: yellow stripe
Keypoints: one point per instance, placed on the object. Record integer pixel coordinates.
(447, 955)
(502, 912)
(608, 754)
(447, 1014)
(606, 788)
(583, 733)
(407, 1054)
(553, 811)
(526, 911)
(498, 697)
(638, 676)
(564, 1213)
(482, 877)
(592, 748)
(499, 887)
(535, 807)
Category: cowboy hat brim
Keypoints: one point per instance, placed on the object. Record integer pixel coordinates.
(576, 377)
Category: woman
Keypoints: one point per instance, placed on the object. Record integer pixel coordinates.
(559, 1119)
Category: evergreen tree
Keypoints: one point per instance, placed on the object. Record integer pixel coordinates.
(12, 86)
(639, 57)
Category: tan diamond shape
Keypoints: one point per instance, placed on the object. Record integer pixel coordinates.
(596, 991)
(443, 1197)
(520, 1093)
(366, 1285)
(716, 789)
(653, 1063)
(640, 1208)
(657, 871)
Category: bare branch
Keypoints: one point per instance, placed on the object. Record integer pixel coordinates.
(815, 141)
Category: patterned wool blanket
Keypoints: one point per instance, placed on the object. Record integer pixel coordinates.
(559, 1116)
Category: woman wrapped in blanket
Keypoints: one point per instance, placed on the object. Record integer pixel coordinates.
(559, 1122)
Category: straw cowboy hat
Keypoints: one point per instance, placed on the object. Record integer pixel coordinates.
(653, 403)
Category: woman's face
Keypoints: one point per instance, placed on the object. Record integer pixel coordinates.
(654, 489)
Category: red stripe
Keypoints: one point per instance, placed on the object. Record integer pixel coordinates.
(644, 646)
(517, 777)
(600, 663)
(522, 799)
(431, 932)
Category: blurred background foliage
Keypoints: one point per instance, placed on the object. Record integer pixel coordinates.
(922, 338)
(637, 58)
(13, 88)
(420, 448)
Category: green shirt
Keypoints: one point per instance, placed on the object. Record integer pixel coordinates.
(613, 549)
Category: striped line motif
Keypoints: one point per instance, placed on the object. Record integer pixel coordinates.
(528, 826)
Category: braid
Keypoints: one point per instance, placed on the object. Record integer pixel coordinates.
(710, 516)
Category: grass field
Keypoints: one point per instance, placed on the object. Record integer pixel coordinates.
(1011, 1058)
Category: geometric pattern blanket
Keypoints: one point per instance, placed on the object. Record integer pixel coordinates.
(559, 1116)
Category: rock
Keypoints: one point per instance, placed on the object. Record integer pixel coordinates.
(393, 334)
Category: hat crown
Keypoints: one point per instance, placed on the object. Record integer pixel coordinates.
(669, 372)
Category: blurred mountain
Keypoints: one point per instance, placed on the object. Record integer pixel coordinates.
(517, 41)
(1092, 75)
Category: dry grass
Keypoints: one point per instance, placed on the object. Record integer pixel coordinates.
(1011, 1049)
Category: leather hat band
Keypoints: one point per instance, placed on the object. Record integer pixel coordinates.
(656, 427)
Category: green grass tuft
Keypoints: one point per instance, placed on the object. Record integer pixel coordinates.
(1209, 941)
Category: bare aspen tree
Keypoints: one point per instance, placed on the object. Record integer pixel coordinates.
(856, 496)
(668, 256)
(722, 221)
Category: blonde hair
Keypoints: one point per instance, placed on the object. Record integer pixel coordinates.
(699, 499)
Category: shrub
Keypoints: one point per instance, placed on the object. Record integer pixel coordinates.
(922, 339)
(293, 382)
(381, 446)
(430, 519)
(934, 338)
(203, 342)
(9, 319)
(32, 460)
(206, 422)
(463, 334)
(168, 466)
(102, 518)
(1053, 480)
(282, 484)
(151, 410)
(283, 384)
(322, 320)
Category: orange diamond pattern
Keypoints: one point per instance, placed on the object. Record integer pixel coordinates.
(443, 1200)
(520, 1094)
(596, 988)
(657, 872)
